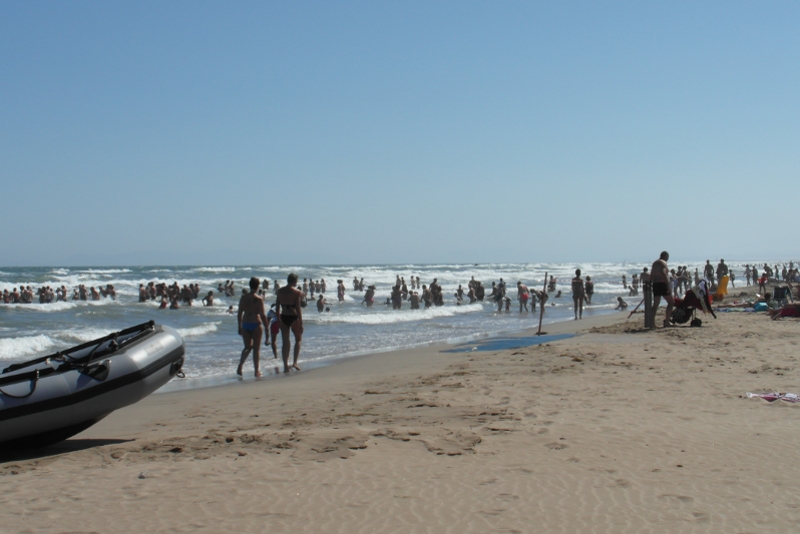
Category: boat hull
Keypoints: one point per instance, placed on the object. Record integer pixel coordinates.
(36, 412)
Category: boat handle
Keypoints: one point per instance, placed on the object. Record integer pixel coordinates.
(34, 380)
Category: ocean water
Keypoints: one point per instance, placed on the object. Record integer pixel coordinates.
(213, 345)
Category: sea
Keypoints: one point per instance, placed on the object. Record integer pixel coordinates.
(349, 329)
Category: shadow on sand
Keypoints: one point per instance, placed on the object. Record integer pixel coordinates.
(63, 447)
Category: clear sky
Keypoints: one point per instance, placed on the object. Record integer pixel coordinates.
(397, 132)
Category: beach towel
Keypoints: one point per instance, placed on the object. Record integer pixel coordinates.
(772, 397)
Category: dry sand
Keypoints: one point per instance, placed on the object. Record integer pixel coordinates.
(615, 430)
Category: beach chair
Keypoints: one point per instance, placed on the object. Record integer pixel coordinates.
(781, 295)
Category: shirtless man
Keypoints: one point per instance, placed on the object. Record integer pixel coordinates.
(579, 293)
(290, 319)
(659, 275)
(252, 321)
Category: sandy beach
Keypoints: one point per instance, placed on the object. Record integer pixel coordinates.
(617, 429)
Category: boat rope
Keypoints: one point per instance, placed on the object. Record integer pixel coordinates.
(34, 380)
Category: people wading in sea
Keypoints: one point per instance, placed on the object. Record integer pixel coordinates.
(252, 321)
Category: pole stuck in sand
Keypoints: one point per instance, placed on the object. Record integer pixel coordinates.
(541, 308)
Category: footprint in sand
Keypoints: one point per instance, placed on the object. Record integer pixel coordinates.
(682, 499)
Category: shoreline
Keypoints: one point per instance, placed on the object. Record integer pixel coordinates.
(228, 380)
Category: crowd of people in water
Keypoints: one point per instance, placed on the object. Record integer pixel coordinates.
(413, 292)
(46, 294)
(284, 317)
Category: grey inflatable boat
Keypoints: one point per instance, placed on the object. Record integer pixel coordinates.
(50, 399)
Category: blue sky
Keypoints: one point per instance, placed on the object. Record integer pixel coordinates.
(383, 132)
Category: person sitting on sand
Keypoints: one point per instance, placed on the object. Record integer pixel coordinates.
(252, 320)
(290, 317)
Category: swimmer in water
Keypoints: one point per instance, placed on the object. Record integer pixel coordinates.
(252, 320)
(369, 297)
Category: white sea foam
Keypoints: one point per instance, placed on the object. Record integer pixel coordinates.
(82, 335)
(52, 307)
(199, 330)
(105, 271)
(401, 316)
(214, 269)
(17, 348)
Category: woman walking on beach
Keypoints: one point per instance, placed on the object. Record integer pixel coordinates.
(290, 319)
(578, 294)
(252, 321)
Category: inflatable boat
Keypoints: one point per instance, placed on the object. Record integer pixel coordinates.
(50, 399)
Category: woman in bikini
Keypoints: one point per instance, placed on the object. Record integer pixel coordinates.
(252, 321)
(290, 319)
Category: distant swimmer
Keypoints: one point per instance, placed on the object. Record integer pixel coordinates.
(321, 303)
(340, 290)
(290, 317)
(252, 321)
(208, 300)
(414, 300)
(427, 298)
(369, 297)
(397, 298)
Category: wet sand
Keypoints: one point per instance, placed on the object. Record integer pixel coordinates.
(615, 430)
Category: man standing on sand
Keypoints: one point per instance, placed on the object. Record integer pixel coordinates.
(659, 275)
(579, 293)
(252, 322)
(290, 319)
(722, 270)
